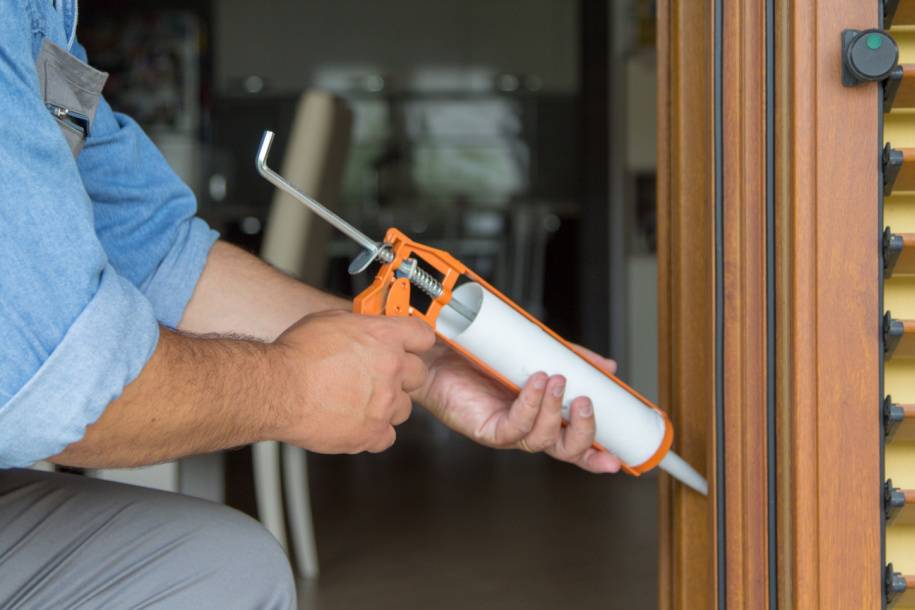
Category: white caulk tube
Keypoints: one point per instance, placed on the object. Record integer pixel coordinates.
(506, 341)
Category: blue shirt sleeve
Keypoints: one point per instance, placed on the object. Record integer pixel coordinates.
(144, 213)
(73, 330)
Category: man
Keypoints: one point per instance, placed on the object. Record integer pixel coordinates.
(102, 260)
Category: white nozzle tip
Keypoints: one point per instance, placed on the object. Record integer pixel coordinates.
(676, 467)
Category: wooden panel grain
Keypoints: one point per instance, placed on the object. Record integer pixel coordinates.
(905, 13)
(905, 263)
(827, 303)
(906, 514)
(907, 598)
(905, 431)
(905, 181)
(745, 304)
(687, 288)
(906, 346)
(905, 95)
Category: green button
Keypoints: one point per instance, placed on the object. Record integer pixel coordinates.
(874, 41)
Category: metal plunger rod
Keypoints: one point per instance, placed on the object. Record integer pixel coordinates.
(417, 276)
(278, 181)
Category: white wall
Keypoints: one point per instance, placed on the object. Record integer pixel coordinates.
(294, 38)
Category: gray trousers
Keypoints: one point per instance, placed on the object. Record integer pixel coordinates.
(72, 542)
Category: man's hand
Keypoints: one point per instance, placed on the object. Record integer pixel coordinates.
(348, 379)
(486, 412)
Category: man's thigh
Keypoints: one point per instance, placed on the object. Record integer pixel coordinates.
(72, 542)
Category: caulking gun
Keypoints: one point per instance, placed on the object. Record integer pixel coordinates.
(499, 337)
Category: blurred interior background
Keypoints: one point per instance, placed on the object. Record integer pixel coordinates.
(517, 134)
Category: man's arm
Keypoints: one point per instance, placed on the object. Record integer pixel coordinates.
(198, 394)
(240, 294)
(144, 214)
(335, 382)
(204, 393)
(182, 403)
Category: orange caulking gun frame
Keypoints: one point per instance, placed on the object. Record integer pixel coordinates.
(389, 293)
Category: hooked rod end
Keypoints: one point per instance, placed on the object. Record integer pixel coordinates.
(263, 150)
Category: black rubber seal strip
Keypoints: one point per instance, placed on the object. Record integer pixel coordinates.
(771, 381)
(718, 130)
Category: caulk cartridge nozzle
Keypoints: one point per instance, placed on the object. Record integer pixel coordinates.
(677, 467)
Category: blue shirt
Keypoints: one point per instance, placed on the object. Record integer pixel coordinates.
(95, 251)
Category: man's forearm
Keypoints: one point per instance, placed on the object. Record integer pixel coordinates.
(240, 294)
(195, 395)
(199, 393)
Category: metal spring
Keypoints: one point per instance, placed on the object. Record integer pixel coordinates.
(432, 287)
(425, 282)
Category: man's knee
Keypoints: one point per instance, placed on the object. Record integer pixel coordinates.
(246, 552)
(237, 562)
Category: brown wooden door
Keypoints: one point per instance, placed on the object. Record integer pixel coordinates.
(769, 265)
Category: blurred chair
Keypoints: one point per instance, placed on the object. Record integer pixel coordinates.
(295, 241)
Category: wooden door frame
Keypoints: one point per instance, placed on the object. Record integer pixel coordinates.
(744, 282)
(686, 283)
(787, 295)
(694, 339)
(828, 272)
